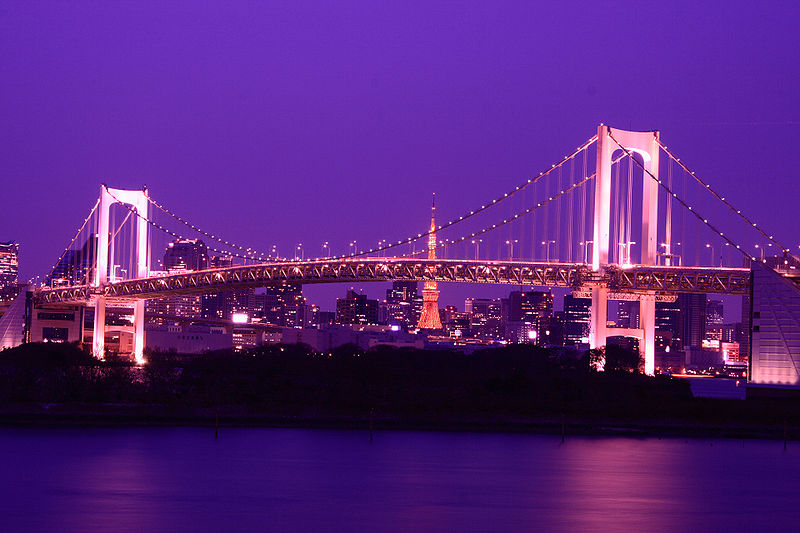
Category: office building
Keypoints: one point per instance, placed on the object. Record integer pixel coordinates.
(356, 308)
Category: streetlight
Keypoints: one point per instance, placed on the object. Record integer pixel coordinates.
(299, 252)
(546, 245)
(711, 246)
(274, 251)
(478, 242)
(585, 245)
(510, 244)
(353, 247)
(625, 251)
(326, 246)
(762, 252)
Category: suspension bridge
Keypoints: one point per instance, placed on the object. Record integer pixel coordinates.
(619, 217)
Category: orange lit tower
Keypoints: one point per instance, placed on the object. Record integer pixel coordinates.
(429, 319)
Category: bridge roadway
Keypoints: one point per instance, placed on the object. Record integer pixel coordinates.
(636, 279)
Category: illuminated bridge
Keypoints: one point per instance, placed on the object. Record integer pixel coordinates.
(619, 217)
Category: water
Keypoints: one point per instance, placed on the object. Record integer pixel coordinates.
(182, 479)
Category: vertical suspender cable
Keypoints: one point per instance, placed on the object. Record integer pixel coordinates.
(668, 221)
(583, 215)
(559, 210)
(570, 211)
(615, 226)
(629, 212)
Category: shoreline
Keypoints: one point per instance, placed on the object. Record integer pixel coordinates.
(115, 415)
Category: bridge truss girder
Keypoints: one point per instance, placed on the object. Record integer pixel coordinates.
(634, 280)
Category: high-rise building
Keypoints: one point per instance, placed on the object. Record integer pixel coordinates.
(714, 320)
(356, 308)
(577, 319)
(285, 305)
(528, 315)
(628, 314)
(186, 254)
(403, 303)
(668, 326)
(692, 318)
(9, 270)
(180, 256)
(430, 319)
(75, 267)
(486, 317)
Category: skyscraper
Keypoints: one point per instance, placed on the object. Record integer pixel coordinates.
(577, 319)
(430, 319)
(403, 303)
(9, 270)
(285, 305)
(186, 254)
(692, 319)
(628, 314)
(714, 320)
(528, 315)
(356, 308)
(75, 267)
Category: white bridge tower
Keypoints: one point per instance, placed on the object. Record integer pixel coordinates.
(644, 143)
(139, 202)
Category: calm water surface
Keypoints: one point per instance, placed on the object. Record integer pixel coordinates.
(181, 479)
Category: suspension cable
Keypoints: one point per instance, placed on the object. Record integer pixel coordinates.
(687, 206)
(69, 246)
(172, 233)
(540, 205)
(220, 240)
(484, 207)
(720, 197)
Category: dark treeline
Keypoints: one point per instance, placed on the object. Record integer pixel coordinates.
(518, 382)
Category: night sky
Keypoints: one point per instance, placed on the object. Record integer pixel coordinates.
(278, 123)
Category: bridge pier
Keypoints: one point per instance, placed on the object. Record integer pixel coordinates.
(99, 334)
(599, 318)
(138, 331)
(647, 321)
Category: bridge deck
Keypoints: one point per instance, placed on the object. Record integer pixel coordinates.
(634, 279)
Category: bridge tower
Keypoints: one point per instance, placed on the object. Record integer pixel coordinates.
(644, 143)
(429, 319)
(138, 201)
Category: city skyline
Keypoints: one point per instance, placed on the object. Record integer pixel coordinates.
(739, 105)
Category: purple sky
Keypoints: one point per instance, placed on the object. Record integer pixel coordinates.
(335, 121)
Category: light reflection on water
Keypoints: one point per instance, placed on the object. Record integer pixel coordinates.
(171, 479)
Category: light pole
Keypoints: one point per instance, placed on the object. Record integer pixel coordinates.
(326, 246)
(626, 252)
(711, 246)
(274, 252)
(546, 245)
(585, 245)
(353, 248)
(510, 244)
(762, 252)
(299, 254)
(477, 244)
